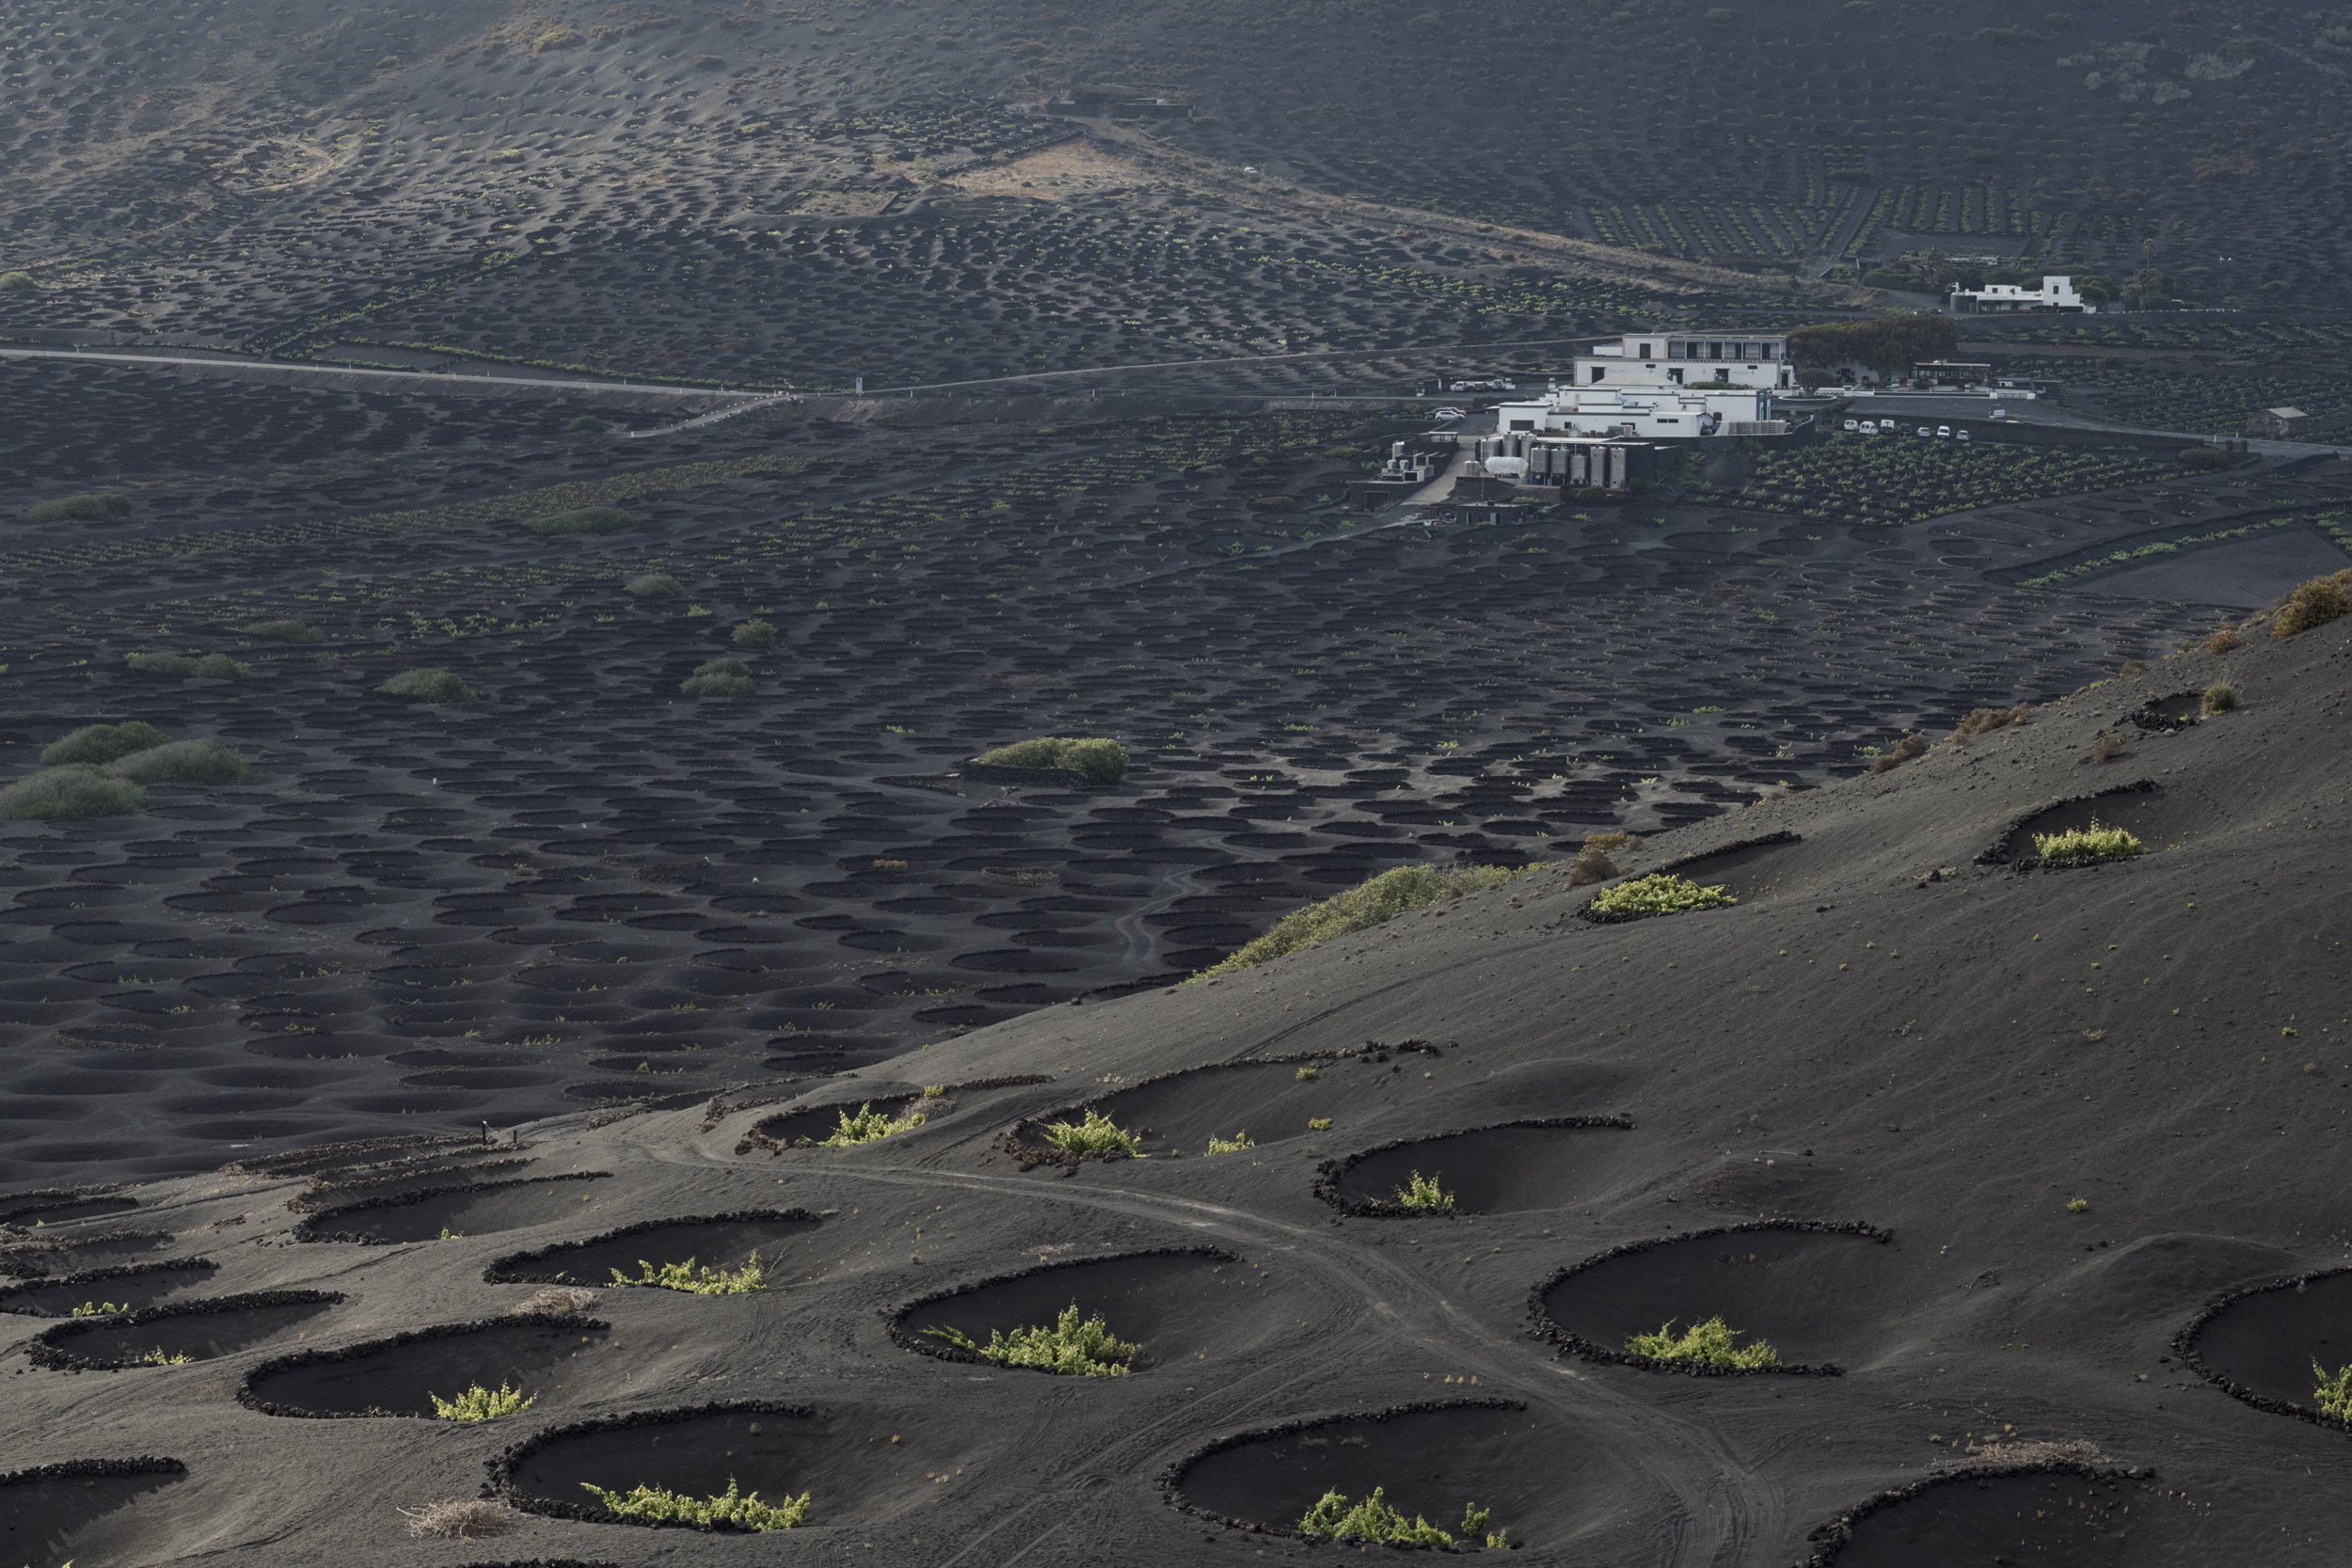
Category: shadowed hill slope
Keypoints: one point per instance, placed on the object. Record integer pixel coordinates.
(1993, 1149)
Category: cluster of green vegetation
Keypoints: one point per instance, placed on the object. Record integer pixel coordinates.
(2094, 843)
(1070, 1346)
(2333, 1392)
(2220, 697)
(1426, 1194)
(1884, 343)
(162, 1357)
(1103, 762)
(719, 678)
(203, 764)
(581, 520)
(99, 506)
(2131, 554)
(699, 1280)
(1373, 1520)
(653, 585)
(869, 1125)
(427, 686)
(2315, 604)
(1367, 904)
(742, 1509)
(1660, 893)
(212, 667)
(100, 1308)
(754, 633)
(478, 1403)
(1095, 1135)
(284, 631)
(77, 790)
(1711, 1343)
(100, 744)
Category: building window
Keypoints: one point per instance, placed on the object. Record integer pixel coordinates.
(1599, 371)
(1674, 348)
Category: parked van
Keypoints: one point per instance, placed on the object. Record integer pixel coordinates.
(1852, 425)
(1867, 427)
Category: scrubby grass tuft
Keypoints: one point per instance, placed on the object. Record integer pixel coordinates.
(1103, 762)
(581, 520)
(2315, 604)
(2333, 1392)
(478, 1403)
(699, 1280)
(1096, 1134)
(743, 1510)
(1366, 905)
(210, 667)
(99, 506)
(1233, 1145)
(870, 1126)
(1070, 1346)
(1335, 1519)
(427, 686)
(2094, 843)
(1911, 748)
(2220, 698)
(754, 633)
(76, 790)
(101, 743)
(1426, 1194)
(655, 585)
(1985, 720)
(1710, 1343)
(202, 763)
(719, 678)
(2225, 640)
(556, 1301)
(459, 1519)
(1660, 893)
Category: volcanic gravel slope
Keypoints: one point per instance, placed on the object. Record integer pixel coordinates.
(2023, 1154)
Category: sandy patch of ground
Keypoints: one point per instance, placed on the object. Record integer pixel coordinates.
(1056, 174)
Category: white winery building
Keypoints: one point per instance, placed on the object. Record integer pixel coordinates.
(1661, 387)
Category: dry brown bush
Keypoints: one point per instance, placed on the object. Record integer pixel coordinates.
(1908, 749)
(1985, 720)
(1603, 843)
(458, 1519)
(2223, 640)
(2106, 748)
(1591, 866)
(2315, 604)
(556, 1301)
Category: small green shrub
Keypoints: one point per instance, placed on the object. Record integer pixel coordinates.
(16, 283)
(1426, 1194)
(586, 519)
(101, 743)
(1710, 1343)
(99, 506)
(1368, 904)
(74, 791)
(585, 423)
(213, 667)
(2220, 698)
(2333, 1392)
(1070, 1346)
(427, 686)
(655, 585)
(742, 1509)
(699, 1280)
(204, 763)
(1985, 720)
(2315, 604)
(478, 1403)
(1096, 1134)
(870, 1126)
(1307, 1074)
(1103, 762)
(1335, 1519)
(2094, 843)
(162, 1357)
(285, 631)
(1660, 893)
(719, 678)
(754, 633)
(2078, 1206)
(1233, 1145)
(100, 1308)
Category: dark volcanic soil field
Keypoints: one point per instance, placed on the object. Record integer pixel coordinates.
(2031, 1174)
(581, 887)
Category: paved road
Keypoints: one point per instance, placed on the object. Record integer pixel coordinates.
(127, 356)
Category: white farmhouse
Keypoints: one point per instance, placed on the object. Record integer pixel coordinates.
(2056, 293)
(1661, 387)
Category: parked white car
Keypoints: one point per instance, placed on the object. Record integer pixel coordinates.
(1962, 436)
(1867, 427)
(1945, 431)
(1449, 414)
(1853, 425)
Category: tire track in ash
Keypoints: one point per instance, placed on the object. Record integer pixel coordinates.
(1714, 1508)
